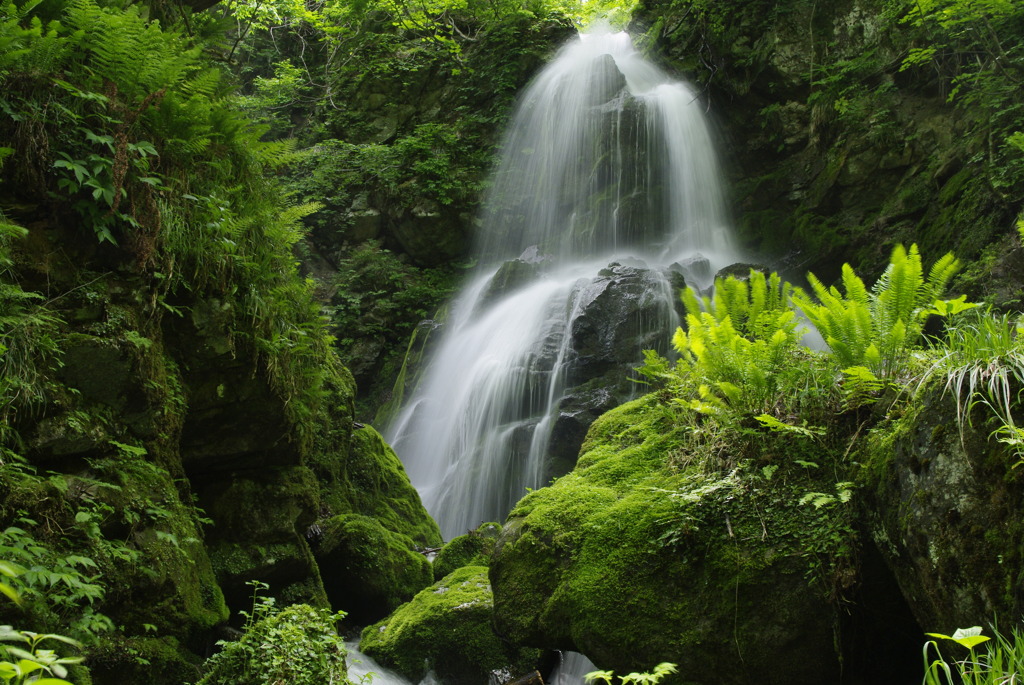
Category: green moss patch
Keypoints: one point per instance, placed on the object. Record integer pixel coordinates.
(472, 549)
(372, 482)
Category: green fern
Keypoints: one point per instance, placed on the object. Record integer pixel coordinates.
(738, 343)
(126, 50)
(878, 328)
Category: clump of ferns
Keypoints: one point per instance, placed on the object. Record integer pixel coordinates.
(983, 364)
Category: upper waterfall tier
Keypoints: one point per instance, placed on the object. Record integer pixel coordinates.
(606, 154)
(607, 178)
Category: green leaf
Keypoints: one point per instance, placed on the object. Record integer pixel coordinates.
(967, 637)
(10, 593)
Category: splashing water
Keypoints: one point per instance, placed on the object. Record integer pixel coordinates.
(607, 177)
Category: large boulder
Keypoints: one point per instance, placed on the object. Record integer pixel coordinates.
(370, 480)
(944, 507)
(446, 629)
(368, 571)
(662, 546)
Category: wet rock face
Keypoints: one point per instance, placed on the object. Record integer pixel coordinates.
(626, 309)
(944, 510)
(579, 408)
(234, 420)
(430, 233)
(623, 312)
(827, 170)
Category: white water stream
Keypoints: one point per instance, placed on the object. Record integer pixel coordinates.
(607, 160)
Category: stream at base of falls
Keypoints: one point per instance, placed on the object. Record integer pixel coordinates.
(570, 670)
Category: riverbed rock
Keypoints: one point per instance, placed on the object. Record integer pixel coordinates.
(446, 629)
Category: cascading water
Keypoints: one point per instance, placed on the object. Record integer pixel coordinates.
(606, 186)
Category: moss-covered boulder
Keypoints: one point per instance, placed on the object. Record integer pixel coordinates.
(472, 549)
(446, 629)
(944, 508)
(370, 480)
(367, 570)
(669, 543)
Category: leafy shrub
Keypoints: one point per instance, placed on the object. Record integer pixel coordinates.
(297, 645)
(31, 662)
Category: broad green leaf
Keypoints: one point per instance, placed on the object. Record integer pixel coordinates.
(967, 637)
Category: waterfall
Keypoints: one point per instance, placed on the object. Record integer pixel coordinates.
(607, 186)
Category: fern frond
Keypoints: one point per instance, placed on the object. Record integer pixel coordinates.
(206, 83)
(758, 288)
(940, 274)
(897, 292)
(856, 291)
(730, 299)
(691, 302)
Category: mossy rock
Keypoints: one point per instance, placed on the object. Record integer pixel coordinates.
(652, 551)
(155, 660)
(446, 629)
(171, 585)
(472, 549)
(260, 520)
(944, 508)
(368, 571)
(372, 482)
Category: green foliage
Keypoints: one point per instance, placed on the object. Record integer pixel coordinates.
(382, 295)
(61, 588)
(31, 662)
(972, 45)
(860, 387)
(740, 344)
(298, 644)
(29, 347)
(141, 140)
(1001, 661)
(655, 675)
(33, 659)
(878, 328)
(983, 364)
(842, 495)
